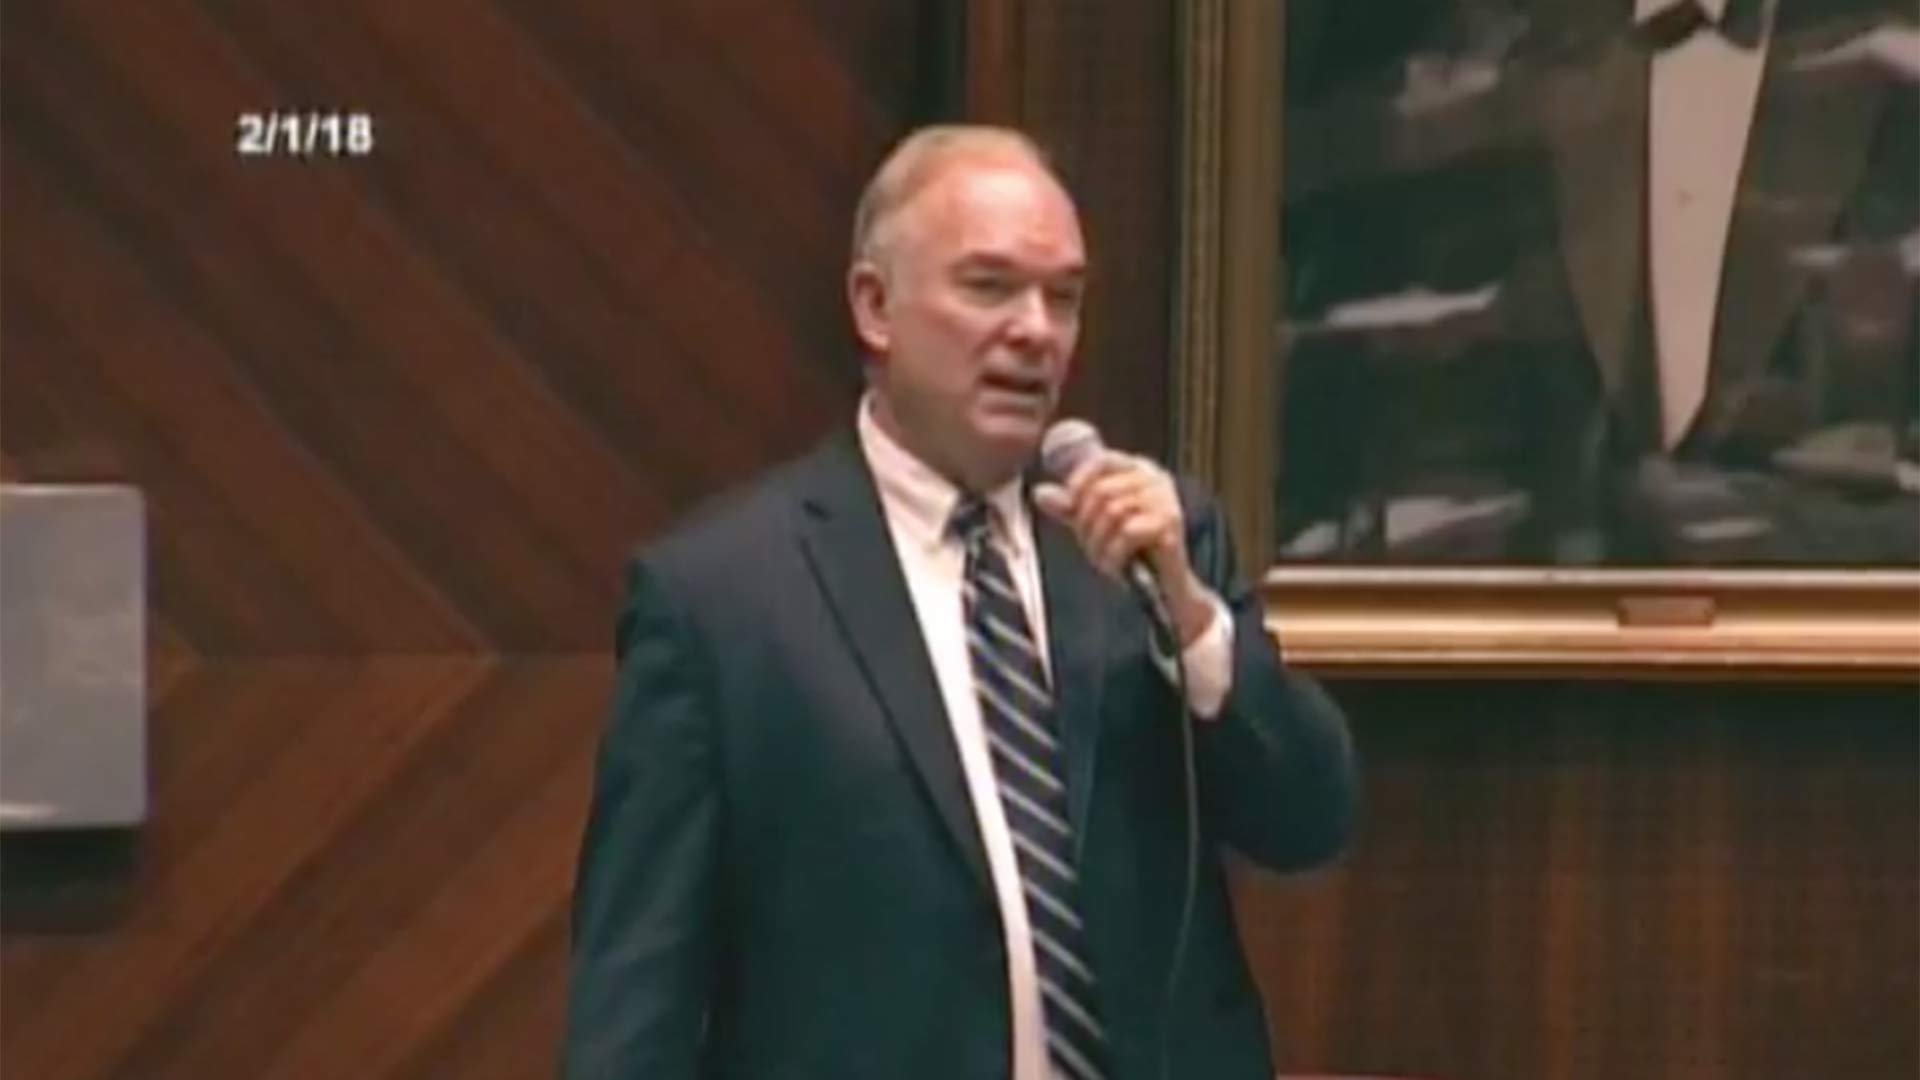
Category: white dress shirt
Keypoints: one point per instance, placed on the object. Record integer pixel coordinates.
(1700, 106)
(918, 503)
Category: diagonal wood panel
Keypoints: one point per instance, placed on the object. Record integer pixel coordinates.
(421, 479)
(426, 345)
(180, 397)
(579, 302)
(634, 64)
(196, 893)
(557, 305)
(508, 1030)
(428, 888)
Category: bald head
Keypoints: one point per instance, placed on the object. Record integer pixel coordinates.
(920, 159)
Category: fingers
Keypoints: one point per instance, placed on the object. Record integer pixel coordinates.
(1120, 517)
(1118, 506)
(1135, 535)
(1053, 500)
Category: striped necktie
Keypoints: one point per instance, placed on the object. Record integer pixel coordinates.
(1029, 767)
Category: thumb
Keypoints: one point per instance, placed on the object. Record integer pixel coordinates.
(1054, 501)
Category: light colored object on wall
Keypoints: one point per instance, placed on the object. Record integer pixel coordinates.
(1895, 48)
(1416, 307)
(72, 656)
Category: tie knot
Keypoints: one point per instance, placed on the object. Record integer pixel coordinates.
(1741, 23)
(971, 520)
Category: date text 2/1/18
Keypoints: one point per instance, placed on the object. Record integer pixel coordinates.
(303, 134)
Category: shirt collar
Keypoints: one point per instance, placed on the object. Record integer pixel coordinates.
(921, 500)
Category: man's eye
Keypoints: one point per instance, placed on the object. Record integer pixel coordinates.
(988, 286)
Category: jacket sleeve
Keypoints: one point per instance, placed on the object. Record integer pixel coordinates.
(644, 894)
(1276, 770)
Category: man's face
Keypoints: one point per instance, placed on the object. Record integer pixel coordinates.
(972, 322)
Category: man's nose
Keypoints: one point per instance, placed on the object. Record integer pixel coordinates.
(1033, 319)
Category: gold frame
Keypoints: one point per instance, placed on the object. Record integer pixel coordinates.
(1426, 621)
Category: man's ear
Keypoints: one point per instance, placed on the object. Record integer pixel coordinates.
(867, 295)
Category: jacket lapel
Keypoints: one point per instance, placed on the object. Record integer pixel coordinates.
(847, 546)
(1076, 642)
(1600, 163)
(1811, 136)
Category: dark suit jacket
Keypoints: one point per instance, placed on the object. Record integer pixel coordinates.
(782, 876)
(1538, 183)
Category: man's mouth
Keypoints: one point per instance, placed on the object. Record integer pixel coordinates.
(1029, 386)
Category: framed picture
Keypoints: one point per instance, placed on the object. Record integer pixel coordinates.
(1560, 336)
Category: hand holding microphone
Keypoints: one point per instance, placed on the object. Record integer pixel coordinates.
(1125, 511)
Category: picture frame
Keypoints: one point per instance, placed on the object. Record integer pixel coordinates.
(1504, 621)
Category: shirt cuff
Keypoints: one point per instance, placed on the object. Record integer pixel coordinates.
(1207, 662)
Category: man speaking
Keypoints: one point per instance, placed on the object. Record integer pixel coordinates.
(896, 779)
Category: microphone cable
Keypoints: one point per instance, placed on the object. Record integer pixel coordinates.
(1163, 630)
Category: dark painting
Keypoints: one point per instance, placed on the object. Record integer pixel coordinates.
(1600, 283)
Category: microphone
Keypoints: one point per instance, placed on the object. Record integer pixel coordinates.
(1066, 446)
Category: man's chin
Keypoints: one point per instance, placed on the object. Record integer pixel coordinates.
(1017, 433)
(999, 446)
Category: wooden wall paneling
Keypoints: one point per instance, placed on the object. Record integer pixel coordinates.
(1088, 84)
(335, 394)
(483, 432)
(434, 887)
(1568, 880)
(426, 349)
(563, 247)
(329, 578)
(768, 215)
(508, 1029)
(503, 198)
(416, 899)
(194, 895)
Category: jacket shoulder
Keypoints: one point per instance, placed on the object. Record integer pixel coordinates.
(731, 534)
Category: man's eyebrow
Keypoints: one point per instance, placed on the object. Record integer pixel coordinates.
(985, 260)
